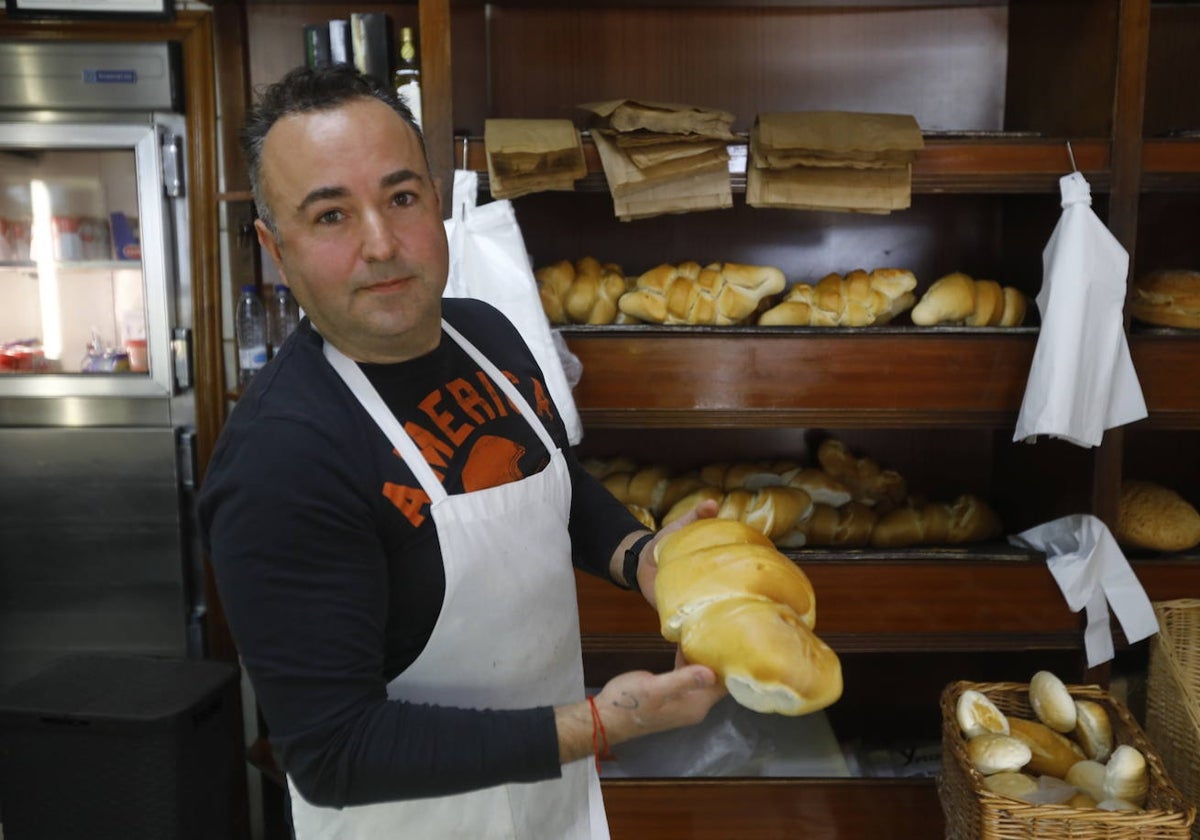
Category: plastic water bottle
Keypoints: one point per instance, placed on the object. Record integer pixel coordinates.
(250, 326)
(282, 317)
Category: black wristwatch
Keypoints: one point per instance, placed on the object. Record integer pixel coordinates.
(632, 555)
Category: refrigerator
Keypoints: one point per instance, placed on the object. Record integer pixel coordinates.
(98, 545)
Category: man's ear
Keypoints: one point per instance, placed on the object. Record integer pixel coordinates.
(269, 244)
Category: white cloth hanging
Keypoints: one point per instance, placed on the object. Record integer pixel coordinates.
(1092, 572)
(488, 262)
(1082, 379)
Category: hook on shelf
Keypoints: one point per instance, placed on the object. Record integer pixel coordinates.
(465, 143)
(1071, 155)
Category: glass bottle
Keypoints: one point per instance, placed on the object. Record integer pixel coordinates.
(406, 78)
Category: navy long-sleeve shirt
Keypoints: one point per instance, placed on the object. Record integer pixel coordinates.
(328, 566)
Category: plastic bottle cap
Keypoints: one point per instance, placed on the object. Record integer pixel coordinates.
(249, 287)
(280, 287)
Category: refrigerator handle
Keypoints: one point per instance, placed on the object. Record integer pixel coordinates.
(172, 164)
(181, 357)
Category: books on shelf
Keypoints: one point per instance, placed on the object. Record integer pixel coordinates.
(364, 40)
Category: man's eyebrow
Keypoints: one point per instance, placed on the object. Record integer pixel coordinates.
(321, 194)
(400, 176)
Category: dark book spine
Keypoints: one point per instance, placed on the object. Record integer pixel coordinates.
(369, 33)
(316, 45)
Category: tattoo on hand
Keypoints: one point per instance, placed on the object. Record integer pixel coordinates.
(627, 701)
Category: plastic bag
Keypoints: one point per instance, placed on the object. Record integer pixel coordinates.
(488, 262)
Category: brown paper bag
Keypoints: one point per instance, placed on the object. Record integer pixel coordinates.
(826, 188)
(630, 115)
(525, 156)
(839, 134)
(636, 196)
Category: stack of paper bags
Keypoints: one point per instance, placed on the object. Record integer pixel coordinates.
(832, 160)
(661, 159)
(526, 156)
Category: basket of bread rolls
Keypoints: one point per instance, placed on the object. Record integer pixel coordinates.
(1173, 694)
(1047, 760)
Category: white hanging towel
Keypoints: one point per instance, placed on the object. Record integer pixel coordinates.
(488, 262)
(1092, 572)
(1082, 379)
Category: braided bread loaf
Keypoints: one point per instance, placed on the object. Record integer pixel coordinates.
(583, 292)
(737, 605)
(718, 293)
(857, 300)
(868, 483)
(967, 519)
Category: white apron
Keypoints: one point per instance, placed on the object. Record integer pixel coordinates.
(507, 638)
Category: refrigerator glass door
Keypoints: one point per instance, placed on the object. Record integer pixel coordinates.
(86, 268)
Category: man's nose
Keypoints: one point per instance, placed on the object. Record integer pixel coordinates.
(378, 243)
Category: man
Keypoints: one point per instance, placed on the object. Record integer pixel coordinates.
(393, 511)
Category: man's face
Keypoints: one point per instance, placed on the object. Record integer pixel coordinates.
(360, 234)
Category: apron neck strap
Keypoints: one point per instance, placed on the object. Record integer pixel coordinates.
(369, 398)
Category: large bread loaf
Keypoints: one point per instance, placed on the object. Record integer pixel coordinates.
(739, 606)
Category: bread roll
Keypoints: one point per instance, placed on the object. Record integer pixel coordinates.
(1155, 517)
(948, 299)
(1052, 754)
(989, 304)
(1008, 783)
(1168, 298)
(1081, 800)
(868, 483)
(821, 487)
(958, 298)
(650, 487)
(848, 526)
(1051, 702)
(857, 300)
(1093, 730)
(583, 292)
(1126, 776)
(701, 534)
(967, 519)
(643, 516)
(772, 511)
(730, 571)
(976, 714)
(768, 658)
(1118, 805)
(740, 622)
(994, 753)
(1089, 777)
(719, 293)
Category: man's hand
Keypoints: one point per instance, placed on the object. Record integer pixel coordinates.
(647, 568)
(638, 703)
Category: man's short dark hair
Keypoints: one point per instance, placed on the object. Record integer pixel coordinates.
(304, 90)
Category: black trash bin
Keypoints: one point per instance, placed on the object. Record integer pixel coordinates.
(104, 746)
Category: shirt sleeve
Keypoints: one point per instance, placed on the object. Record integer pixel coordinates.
(598, 521)
(302, 578)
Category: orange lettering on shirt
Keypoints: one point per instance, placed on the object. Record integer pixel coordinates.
(408, 500)
(469, 400)
(444, 420)
(541, 403)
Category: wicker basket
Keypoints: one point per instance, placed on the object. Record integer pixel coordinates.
(975, 813)
(1173, 694)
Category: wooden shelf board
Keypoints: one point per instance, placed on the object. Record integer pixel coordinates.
(947, 604)
(970, 165)
(750, 377)
(761, 808)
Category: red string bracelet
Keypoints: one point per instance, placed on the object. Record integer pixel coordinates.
(599, 736)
